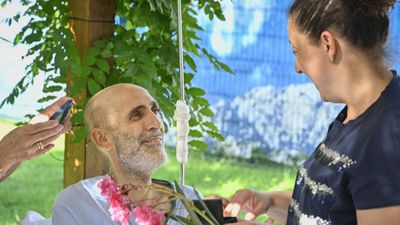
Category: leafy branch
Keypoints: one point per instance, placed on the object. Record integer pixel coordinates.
(143, 51)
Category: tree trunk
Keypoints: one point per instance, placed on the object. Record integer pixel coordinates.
(90, 20)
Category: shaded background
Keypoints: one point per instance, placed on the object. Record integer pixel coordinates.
(264, 107)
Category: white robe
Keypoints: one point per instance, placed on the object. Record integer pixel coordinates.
(83, 204)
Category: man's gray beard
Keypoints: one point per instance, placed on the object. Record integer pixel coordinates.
(138, 159)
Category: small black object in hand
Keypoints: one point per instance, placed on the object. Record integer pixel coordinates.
(215, 207)
(62, 113)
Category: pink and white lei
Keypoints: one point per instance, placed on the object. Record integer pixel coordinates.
(121, 208)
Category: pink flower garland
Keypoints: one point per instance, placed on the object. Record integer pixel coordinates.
(145, 216)
(120, 206)
(119, 211)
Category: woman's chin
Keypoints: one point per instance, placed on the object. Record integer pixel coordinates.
(325, 98)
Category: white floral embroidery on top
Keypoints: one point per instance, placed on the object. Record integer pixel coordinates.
(316, 188)
(303, 219)
(335, 158)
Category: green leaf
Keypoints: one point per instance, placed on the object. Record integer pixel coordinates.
(88, 59)
(93, 86)
(94, 51)
(196, 91)
(100, 44)
(99, 76)
(207, 112)
(187, 205)
(33, 37)
(220, 16)
(149, 71)
(190, 62)
(46, 99)
(79, 83)
(226, 68)
(52, 89)
(132, 70)
(76, 70)
(60, 79)
(103, 65)
(193, 122)
(198, 144)
(18, 38)
(86, 70)
(195, 133)
(211, 16)
(110, 45)
(210, 125)
(78, 118)
(74, 90)
(106, 53)
(200, 101)
(188, 77)
(207, 9)
(216, 135)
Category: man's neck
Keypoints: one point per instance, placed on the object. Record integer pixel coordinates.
(137, 179)
(138, 192)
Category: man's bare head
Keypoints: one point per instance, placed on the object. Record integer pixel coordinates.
(123, 122)
(109, 101)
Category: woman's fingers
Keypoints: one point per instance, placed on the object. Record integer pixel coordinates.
(235, 209)
(249, 216)
(40, 151)
(45, 134)
(38, 138)
(39, 127)
(236, 201)
(43, 146)
(252, 213)
(270, 221)
(50, 140)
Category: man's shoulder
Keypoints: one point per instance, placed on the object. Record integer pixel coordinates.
(79, 191)
(76, 204)
(188, 190)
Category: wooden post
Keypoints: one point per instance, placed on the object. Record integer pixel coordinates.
(90, 20)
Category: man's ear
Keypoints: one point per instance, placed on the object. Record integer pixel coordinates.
(329, 44)
(102, 138)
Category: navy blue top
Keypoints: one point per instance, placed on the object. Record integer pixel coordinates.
(356, 166)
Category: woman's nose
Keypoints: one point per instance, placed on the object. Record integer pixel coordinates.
(297, 69)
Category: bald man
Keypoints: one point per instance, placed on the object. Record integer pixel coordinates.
(124, 124)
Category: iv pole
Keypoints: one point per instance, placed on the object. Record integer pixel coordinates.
(182, 114)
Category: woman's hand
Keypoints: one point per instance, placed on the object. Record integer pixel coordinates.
(53, 108)
(31, 140)
(251, 202)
